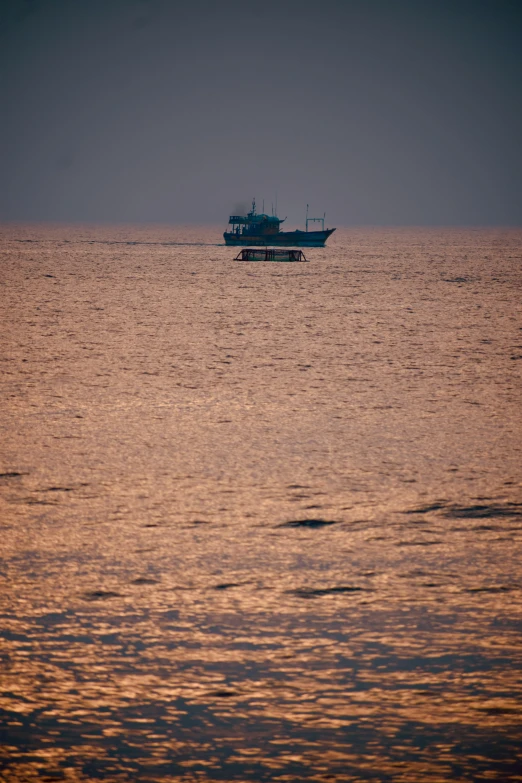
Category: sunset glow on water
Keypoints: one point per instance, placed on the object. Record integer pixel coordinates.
(260, 521)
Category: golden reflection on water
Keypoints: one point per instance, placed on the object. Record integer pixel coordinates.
(260, 522)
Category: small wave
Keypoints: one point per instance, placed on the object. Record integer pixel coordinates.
(484, 511)
(310, 523)
(308, 592)
(100, 595)
(476, 511)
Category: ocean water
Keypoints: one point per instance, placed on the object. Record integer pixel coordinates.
(259, 521)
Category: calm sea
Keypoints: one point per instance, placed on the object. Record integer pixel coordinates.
(260, 522)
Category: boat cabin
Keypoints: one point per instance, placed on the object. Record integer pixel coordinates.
(254, 224)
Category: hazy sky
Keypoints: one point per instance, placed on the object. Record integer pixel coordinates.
(389, 112)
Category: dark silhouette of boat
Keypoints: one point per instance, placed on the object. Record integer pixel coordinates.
(254, 229)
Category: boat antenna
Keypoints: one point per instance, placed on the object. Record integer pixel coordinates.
(306, 223)
(263, 206)
(276, 204)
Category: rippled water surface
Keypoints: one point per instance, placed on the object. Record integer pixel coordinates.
(259, 521)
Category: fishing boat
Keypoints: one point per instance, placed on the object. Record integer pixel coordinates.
(269, 254)
(264, 230)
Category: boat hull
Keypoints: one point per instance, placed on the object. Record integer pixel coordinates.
(282, 239)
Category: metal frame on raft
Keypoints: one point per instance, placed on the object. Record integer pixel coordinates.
(269, 254)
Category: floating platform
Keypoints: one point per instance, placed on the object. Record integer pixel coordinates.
(269, 254)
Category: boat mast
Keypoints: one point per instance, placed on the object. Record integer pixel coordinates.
(314, 220)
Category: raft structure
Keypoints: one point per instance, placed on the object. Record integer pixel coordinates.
(269, 254)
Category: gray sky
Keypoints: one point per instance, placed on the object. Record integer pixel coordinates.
(379, 112)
